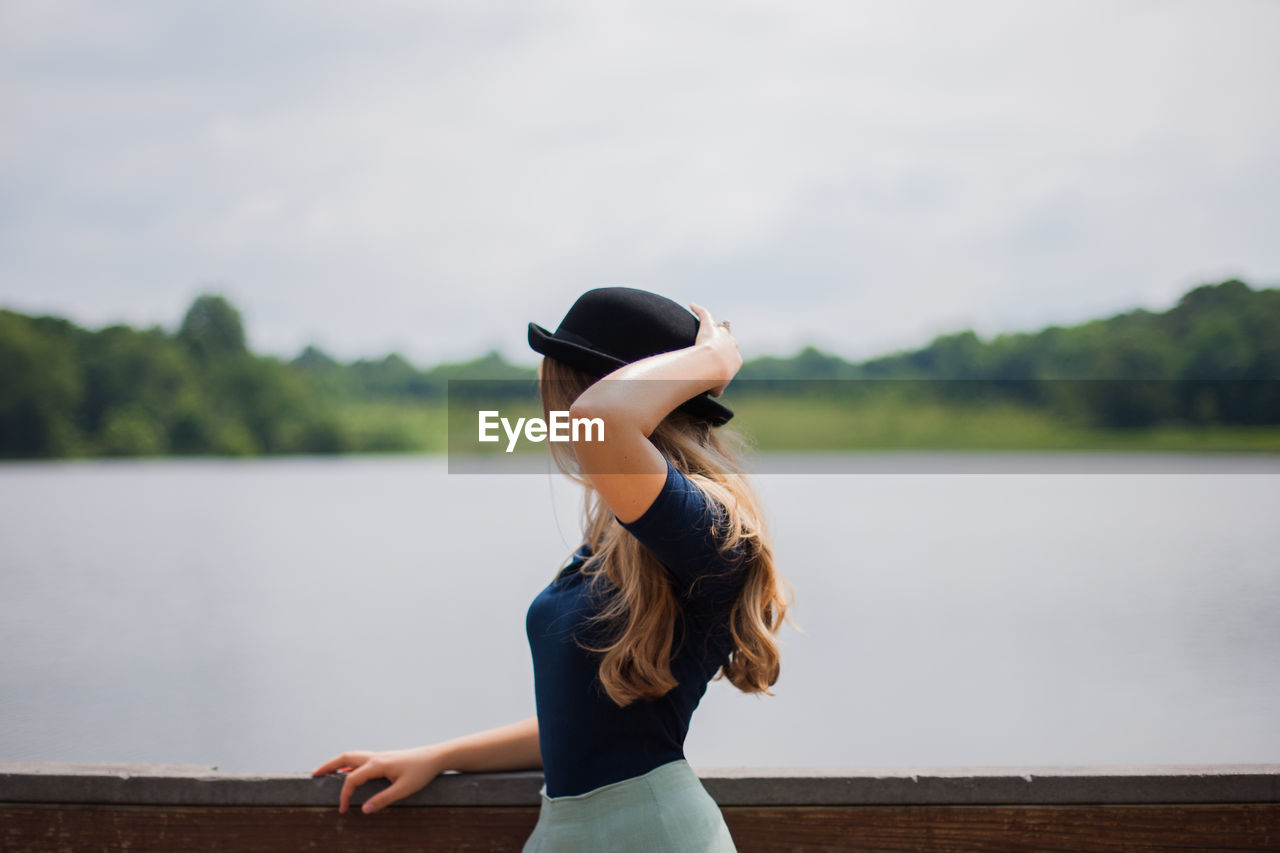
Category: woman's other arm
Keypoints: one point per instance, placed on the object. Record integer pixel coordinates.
(626, 468)
(510, 747)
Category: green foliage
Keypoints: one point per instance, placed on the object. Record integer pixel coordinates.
(1206, 373)
(212, 329)
(1213, 358)
(394, 426)
(129, 430)
(394, 378)
(41, 387)
(119, 391)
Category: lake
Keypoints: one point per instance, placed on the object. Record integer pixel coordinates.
(265, 615)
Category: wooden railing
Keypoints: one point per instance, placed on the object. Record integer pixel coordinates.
(70, 807)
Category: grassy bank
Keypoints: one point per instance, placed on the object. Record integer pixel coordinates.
(831, 425)
(892, 424)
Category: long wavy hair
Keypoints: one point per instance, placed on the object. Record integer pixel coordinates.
(641, 610)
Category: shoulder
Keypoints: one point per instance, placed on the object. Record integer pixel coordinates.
(681, 500)
(686, 528)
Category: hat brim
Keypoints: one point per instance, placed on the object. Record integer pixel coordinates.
(599, 364)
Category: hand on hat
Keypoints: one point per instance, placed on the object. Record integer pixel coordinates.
(717, 337)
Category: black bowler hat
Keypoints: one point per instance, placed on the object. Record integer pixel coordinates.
(611, 326)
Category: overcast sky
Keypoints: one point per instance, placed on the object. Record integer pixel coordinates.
(428, 177)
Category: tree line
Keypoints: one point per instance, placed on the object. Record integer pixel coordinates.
(1214, 358)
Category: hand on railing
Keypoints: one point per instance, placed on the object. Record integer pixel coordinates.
(409, 770)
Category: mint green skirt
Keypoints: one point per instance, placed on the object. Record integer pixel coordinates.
(666, 809)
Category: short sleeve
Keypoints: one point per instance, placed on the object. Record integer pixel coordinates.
(680, 529)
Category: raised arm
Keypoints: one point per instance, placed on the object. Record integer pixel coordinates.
(510, 747)
(626, 468)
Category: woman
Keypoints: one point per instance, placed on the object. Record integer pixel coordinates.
(673, 586)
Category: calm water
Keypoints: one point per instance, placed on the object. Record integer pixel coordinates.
(265, 615)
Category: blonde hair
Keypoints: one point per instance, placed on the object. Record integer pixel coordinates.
(641, 607)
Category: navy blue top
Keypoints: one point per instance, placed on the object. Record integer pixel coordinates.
(587, 740)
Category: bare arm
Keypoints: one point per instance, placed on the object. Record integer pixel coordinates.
(510, 747)
(626, 468)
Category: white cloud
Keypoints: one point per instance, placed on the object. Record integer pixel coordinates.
(428, 178)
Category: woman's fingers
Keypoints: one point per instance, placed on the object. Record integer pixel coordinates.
(398, 790)
(707, 326)
(710, 332)
(707, 329)
(369, 770)
(331, 765)
(705, 322)
(406, 770)
(347, 759)
(368, 765)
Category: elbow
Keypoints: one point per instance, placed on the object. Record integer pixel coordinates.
(597, 424)
(588, 409)
(587, 423)
(604, 405)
